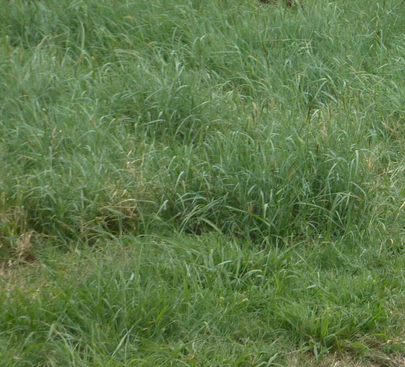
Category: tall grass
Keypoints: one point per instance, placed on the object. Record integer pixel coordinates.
(278, 111)
(273, 127)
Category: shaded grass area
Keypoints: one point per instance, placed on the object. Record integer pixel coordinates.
(273, 133)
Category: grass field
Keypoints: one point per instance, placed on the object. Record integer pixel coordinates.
(202, 183)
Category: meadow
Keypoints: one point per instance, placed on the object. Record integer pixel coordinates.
(202, 183)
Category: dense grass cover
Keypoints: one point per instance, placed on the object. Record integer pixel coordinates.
(201, 183)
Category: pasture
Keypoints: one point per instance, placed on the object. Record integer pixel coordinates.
(202, 183)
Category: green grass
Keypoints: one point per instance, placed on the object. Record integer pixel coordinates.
(201, 183)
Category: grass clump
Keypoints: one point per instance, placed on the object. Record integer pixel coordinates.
(201, 183)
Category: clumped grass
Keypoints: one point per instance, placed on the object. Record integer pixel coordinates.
(201, 182)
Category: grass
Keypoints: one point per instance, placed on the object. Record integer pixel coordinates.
(199, 183)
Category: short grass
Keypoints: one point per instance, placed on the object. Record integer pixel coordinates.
(202, 183)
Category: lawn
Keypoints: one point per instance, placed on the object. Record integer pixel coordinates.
(202, 183)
